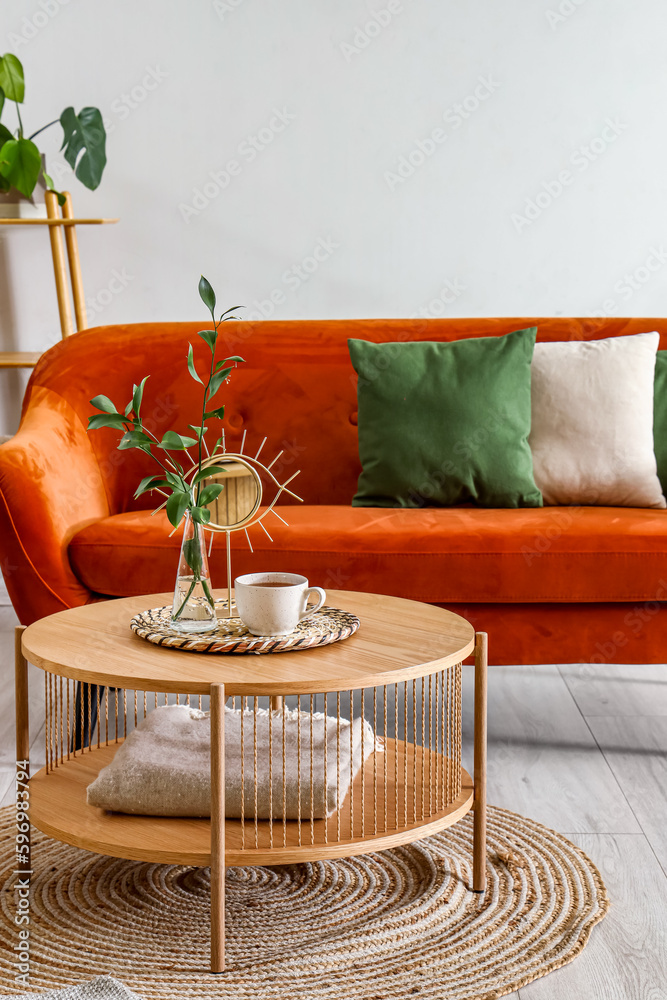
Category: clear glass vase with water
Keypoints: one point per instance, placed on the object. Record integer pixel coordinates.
(193, 610)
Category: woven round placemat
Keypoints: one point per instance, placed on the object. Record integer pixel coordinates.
(231, 636)
(385, 926)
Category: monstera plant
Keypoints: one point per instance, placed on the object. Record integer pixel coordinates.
(83, 145)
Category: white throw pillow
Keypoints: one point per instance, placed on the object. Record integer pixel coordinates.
(163, 767)
(592, 422)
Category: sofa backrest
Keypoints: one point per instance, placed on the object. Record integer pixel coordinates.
(297, 388)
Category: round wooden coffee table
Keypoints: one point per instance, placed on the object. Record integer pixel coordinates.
(401, 672)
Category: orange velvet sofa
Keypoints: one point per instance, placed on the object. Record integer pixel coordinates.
(559, 584)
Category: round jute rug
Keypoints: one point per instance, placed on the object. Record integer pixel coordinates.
(396, 924)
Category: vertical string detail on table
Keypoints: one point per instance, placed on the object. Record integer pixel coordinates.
(284, 713)
(375, 760)
(405, 753)
(363, 764)
(351, 765)
(298, 763)
(82, 730)
(338, 765)
(55, 720)
(423, 749)
(459, 733)
(414, 750)
(254, 740)
(46, 720)
(312, 792)
(243, 706)
(430, 744)
(270, 775)
(325, 782)
(395, 756)
(441, 786)
(450, 766)
(68, 718)
(62, 720)
(51, 710)
(98, 702)
(385, 754)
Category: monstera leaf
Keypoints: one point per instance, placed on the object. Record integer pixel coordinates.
(5, 136)
(84, 144)
(20, 164)
(11, 78)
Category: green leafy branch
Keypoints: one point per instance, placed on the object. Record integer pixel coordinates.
(184, 492)
(84, 139)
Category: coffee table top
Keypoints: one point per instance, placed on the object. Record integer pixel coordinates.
(398, 640)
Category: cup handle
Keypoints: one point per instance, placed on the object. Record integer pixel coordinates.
(310, 610)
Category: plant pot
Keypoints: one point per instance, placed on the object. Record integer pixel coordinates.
(14, 205)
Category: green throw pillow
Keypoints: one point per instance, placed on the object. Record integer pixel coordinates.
(442, 424)
(660, 417)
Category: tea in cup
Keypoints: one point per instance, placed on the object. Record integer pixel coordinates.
(274, 603)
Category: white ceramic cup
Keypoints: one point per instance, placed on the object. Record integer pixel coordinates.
(274, 603)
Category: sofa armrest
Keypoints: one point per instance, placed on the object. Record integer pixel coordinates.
(50, 488)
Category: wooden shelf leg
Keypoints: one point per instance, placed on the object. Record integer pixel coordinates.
(479, 815)
(217, 828)
(22, 721)
(72, 243)
(59, 268)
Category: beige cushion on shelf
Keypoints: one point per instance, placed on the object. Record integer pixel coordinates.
(163, 767)
(592, 422)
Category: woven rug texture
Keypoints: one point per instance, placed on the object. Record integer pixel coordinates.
(394, 925)
(102, 988)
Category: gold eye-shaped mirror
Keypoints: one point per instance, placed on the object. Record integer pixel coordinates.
(240, 498)
(238, 504)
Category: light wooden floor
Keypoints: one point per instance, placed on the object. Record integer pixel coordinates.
(580, 748)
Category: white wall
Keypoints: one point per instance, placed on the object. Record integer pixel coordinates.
(184, 84)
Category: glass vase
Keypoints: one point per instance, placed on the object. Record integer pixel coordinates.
(193, 610)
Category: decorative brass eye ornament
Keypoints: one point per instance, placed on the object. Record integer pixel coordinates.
(239, 505)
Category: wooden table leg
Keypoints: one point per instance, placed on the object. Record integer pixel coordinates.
(479, 815)
(22, 728)
(217, 828)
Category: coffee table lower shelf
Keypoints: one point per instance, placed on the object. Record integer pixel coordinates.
(59, 809)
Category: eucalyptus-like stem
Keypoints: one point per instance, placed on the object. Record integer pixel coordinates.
(203, 409)
(186, 598)
(197, 575)
(175, 467)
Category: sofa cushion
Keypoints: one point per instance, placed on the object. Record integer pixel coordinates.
(660, 417)
(592, 422)
(441, 424)
(441, 555)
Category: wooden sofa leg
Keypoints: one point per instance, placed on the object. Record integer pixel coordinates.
(479, 834)
(217, 828)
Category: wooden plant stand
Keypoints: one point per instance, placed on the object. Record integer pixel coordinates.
(57, 224)
(401, 671)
